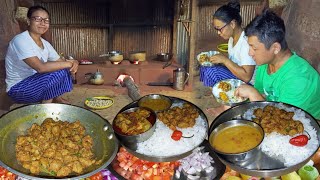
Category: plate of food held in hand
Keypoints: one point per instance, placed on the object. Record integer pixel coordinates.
(291, 138)
(204, 58)
(177, 131)
(224, 92)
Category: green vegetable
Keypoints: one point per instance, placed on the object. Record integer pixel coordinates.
(308, 172)
(291, 176)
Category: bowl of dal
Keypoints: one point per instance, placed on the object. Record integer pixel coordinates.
(134, 125)
(237, 140)
(156, 102)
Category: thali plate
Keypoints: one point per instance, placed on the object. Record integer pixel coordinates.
(262, 165)
(203, 58)
(232, 99)
(133, 149)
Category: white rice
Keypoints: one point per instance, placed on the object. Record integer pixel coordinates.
(161, 143)
(277, 146)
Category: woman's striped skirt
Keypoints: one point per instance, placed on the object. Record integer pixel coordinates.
(41, 86)
(210, 75)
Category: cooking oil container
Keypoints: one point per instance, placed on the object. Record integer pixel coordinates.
(180, 78)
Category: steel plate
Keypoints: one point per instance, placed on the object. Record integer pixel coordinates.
(262, 165)
(132, 150)
(17, 121)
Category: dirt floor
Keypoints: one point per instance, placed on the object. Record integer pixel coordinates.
(200, 96)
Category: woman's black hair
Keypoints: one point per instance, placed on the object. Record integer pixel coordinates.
(32, 9)
(229, 12)
(268, 28)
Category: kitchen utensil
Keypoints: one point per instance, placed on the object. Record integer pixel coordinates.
(95, 78)
(180, 78)
(15, 123)
(93, 102)
(149, 100)
(223, 47)
(131, 141)
(137, 56)
(160, 84)
(262, 165)
(114, 56)
(241, 156)
(160, 158)
(232, 99)
(164, 57)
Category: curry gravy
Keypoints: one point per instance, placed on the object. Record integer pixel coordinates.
(236, 139)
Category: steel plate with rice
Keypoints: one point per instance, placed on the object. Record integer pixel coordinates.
(204, 58)
(161, 147)
(224, 90)
(277, 155)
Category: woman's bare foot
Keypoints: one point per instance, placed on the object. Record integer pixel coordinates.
(217, 110)
(60, 100)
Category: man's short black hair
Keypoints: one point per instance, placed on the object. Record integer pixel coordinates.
(268, 28)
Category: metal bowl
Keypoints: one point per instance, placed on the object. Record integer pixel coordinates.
(151, 98)
(164, 57)
(233, 100)
(17, 121)
(131, 140)
(237, 158)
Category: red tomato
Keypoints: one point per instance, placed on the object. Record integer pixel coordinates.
(97, 176)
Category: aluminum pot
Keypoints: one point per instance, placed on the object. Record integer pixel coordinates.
(17, 121)
(114, 56)
(137, 55)
(164, 57)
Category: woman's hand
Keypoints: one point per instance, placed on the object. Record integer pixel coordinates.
(218, 58)
(247, 91)
(74, 66)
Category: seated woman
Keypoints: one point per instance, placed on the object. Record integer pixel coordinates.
(282, 75)
(34, 70)
(239, 65)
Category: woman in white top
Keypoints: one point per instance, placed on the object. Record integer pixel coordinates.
(34, 70)
(239, 65)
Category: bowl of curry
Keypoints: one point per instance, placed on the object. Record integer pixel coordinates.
(156, 102)
(237, 140)
(134, 125)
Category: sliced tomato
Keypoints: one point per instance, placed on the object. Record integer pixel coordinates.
(97, 176)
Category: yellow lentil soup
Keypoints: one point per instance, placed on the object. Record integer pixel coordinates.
(236, 139)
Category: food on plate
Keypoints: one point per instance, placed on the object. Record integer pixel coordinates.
(224, 96)
(133, 123)
(85, 61)
(159, 143)
(273, 119)
(131, 167)
(236, 139)
(97, 103)
(203, 58)
(198, 165)
(300, 140)
(277, 145)
(56, 148)
(182, 117)
(156, 104)
(224, 86)
(177, 135)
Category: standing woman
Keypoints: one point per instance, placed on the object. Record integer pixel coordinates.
(239, 65)
(34, 70)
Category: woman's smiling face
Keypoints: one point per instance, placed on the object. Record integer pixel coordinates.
(39, 22)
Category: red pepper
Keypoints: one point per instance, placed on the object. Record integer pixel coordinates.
(176, 135)
(300, 140)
